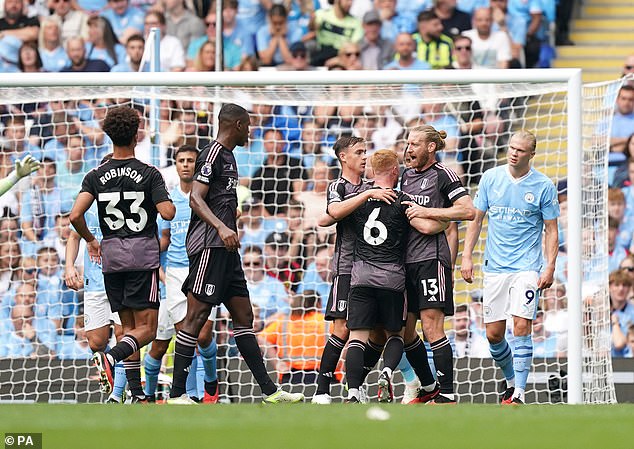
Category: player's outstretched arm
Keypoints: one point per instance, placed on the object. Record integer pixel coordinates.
(23, 168)
(200, 208)
(471, 237)
(72, 277)
(551, 248)
(326, 220)
(82, 203)
(453, 241)
(166, 209)
(461, 209)
(428, 226)
(342, 209)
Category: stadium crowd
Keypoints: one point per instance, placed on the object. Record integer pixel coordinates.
(285, 170)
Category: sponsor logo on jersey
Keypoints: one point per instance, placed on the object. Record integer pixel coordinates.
(210, 289)
(529, 197)
(205, 170)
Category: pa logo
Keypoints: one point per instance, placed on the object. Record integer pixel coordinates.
(341, 305)
(529, 197)
(210, 289)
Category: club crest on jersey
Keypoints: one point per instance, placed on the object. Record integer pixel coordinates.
(529, 197)
(206, 169)
(341, 305)
(424, 184)
(210, 289)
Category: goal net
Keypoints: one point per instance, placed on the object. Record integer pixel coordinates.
(284, 173)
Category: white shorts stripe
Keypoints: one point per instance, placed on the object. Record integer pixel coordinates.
(200, 275)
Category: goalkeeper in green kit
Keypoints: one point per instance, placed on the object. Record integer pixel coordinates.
(23, 168)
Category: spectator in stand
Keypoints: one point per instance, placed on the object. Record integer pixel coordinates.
(514, 26)
(102, 43)
(8, 227)
(297, 340)
(628, 68)
(299, 58)
(17, 25)
(205, 59)
(251, 64)
(333, 27)
(623, 120)
(9, 259)
(280, 177)
(273, 41)
(490, 49)
(91, 7)
(126, 20)
(616, 253)
(54, 57)
(73, 22)
(629, 349)
(555, 306)
(76, 51)
(531, 13)
(256, 224)
(278, 262)
(627, 265)
(622, 310)
(9, 49)
(63, 126)
(182, 23)
(564, 13)
(317, 275)
(71, 170)
(315, 197)
(251, 16)
(617, 211)
(232, 53)
(49, 308)
(59, 237)
(392, 21)
(432, 45)
(39, 206)
(545, 343)
(75, 345)
(413, 7)
(172, 53)
(18, 337)
(16, 142)
(266, 292)
(348, 58)
(134, 49)
(376, 51)
(405, 58)
(454, 21)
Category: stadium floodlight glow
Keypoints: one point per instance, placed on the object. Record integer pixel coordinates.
(572, 137)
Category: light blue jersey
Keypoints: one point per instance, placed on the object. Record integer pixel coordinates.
(93, 276)
(177, 252)
(517, 209)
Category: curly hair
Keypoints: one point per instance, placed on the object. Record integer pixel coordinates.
(121, 125)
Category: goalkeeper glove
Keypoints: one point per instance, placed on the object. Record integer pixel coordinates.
(26, 166)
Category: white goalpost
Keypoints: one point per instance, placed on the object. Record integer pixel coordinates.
(571, 122)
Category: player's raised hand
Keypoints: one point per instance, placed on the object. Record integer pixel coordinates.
(94, 251)
(387, 195)
(73, 279)
(229, 238)
(26, 166)
(415, 211)
(466, 270)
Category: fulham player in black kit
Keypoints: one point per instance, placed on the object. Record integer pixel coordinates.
(129, 195)
(215, 269)
(378, 276)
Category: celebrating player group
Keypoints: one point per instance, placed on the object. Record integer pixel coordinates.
(395, 254)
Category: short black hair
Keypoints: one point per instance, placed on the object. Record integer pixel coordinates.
(186, 149)
(345, 142)
(253, 249)
(121, 125)
(231, 112)
(426, 15)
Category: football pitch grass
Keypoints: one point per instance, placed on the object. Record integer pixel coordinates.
(304, 426)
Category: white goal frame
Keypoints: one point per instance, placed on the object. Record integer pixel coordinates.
(266, 78)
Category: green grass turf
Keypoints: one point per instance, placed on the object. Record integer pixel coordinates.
(337, 426)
